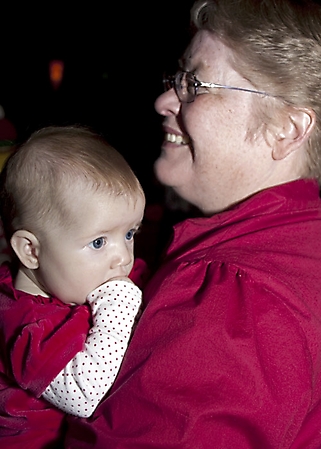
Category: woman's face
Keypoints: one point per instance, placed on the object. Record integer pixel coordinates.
(221, 164)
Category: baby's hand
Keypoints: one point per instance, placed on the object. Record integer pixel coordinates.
(114, 307)
(121, 288)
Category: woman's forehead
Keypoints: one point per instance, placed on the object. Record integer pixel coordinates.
(207, 53)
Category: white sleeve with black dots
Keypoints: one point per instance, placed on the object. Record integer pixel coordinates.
(81, 385)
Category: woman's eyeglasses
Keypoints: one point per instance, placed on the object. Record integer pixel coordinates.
(186, 86)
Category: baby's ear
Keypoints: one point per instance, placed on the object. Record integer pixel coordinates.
(26, 246)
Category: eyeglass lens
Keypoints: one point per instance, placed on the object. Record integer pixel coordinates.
(184, 85)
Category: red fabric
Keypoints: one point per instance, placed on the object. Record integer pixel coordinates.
(139, 273)
(227, 353)
(38, 337)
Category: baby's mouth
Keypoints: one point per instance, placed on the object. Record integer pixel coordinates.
(178, 139)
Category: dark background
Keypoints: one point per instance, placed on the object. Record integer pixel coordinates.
(114, 57)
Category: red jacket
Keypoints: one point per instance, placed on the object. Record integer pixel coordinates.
(227, 354)
(38, 337)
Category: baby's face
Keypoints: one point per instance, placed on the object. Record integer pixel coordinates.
(99, 245)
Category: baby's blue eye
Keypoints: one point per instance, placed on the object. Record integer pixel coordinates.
(97, 243)
(130, 234)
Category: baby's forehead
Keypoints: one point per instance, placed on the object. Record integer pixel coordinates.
(84, 211)
(98, 183)
(92, 191)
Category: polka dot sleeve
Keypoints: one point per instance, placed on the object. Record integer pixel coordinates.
(81, 385)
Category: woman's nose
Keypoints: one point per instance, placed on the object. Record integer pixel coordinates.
(168, 103)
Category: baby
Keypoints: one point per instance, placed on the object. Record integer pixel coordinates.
(70, 207)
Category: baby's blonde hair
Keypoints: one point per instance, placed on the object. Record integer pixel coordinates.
(36, 178)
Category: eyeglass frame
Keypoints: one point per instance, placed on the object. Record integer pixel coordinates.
(171, 82)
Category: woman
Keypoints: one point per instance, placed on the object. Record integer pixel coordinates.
(227, 353)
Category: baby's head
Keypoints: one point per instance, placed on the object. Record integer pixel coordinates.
(64, 186)
(37, 180)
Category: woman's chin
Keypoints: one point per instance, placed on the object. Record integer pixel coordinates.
(168, 173)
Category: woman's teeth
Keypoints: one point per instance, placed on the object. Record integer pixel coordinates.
(174, 138)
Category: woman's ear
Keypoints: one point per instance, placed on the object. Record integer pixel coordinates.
(293, 131)
(26, 246)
